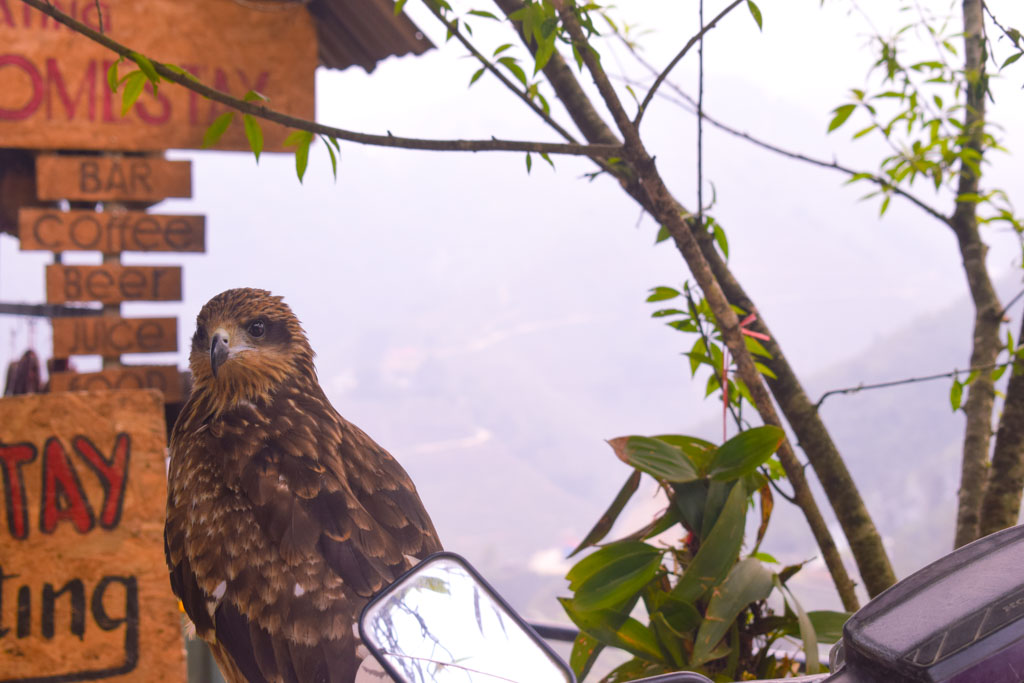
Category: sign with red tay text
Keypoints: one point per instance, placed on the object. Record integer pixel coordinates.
(53, 81)
(84, 593)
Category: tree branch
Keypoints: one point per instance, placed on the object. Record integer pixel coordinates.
(263, 112)
(675, 60)
(454, 29)
(909, 380)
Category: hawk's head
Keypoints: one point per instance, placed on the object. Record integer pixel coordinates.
(246, 343)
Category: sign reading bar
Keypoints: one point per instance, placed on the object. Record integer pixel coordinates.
(111, 336)
(82, 572)
(166, 378)
(104, 178)
(112, 284)
(110, 232)
(53, 81)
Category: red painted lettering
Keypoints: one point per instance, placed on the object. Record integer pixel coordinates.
(63, 496)
(86, 88)
(36, 79)
(113, 474)
(12, 457)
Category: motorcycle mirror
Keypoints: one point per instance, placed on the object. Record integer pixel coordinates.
(442, 622)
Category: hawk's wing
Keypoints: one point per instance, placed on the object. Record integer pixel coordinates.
(311, 519)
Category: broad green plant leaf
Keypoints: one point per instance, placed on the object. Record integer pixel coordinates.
(613, 575)
(745, 452)
(747, 582)
(841, 114)
(690, 499)
(616, 629)
(146, 67)
(828, 625)
(604, 525)
(697, 450)
(662, 293)
(718, 494)
(585, 650)
(718, 551)
(655, 457)
(807, 632)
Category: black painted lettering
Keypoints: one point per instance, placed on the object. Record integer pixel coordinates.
(133, 284)
(77, 598)
(148, 336)
(72, 284)
(81, 343)
(98, 285)
(89, 177)
(146, 233)
(24, 628)
(141, 171)
(157, 273)
(85, 232)
(38, 229)
(117, 180)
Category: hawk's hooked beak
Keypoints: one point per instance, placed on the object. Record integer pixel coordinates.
(218, 350)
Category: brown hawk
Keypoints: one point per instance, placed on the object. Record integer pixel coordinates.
(283, 518)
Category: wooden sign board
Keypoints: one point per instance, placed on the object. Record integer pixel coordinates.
(166, 378)
(112, 284)
(111, 336)
(109, 232)
(104, 178)
(83, 577)
(53, 81)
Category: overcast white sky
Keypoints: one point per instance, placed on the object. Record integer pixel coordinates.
(455, 301)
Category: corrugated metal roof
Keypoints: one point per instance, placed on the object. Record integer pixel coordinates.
(363, 32)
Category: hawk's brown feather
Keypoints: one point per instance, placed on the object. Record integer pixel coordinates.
(282, 517)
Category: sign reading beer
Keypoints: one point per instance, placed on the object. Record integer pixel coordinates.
(53, 81)
(112, 284)
(83, 584)
(127, 179)
(166, 378)
(110, 232)
(111, 336)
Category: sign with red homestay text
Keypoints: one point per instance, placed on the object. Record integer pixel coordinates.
(53, 81)
(84, 593)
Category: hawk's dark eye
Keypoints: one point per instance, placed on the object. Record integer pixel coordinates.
(257, 328)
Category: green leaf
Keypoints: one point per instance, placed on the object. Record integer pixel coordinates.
(547, 157)
(217, 128)
(721, 240)
(745, 452)
(756, 13)
(112, 75)
(482, 13)
(254, 96)
(301, 140)
(545, 50)
(333, 143)
(133, 85)
(655, 457)
(807, 633)
(254, 134)
(663, 234)
(828, 625)
(399, 4)
(613, 575)
(718, 552)
(841, 114)
(476, 75)
(1011, 59)
(147, 68)
(615, 629)
(956, 394)
(697, 450)
(690, 499)
(604, 524)
(585, 650)
(529, 162)
(765, 557)
(662, 294)
(747, 582)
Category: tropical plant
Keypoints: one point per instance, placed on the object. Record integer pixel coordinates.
(685, 573)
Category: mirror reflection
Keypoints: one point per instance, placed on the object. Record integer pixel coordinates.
(441, 623)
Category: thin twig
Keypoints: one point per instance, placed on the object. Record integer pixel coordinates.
(99, 15)
(909, 380)
(454, 29)
(832, 165)
(675, 60)
(1014, 300)
(268, 114)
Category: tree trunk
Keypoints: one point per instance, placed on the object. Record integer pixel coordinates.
(813, 437)
(981, 394)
